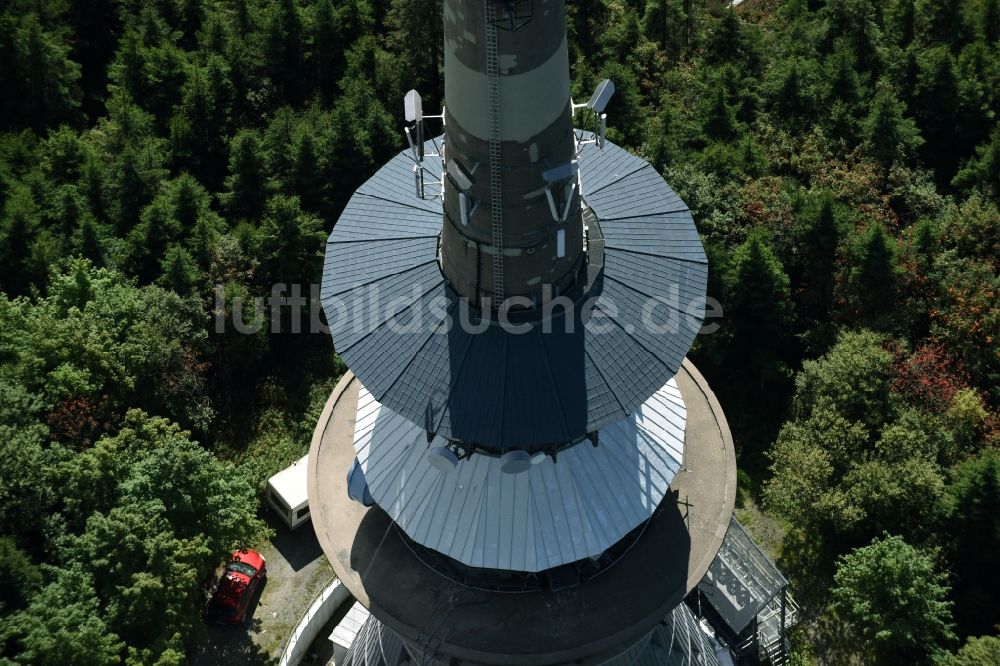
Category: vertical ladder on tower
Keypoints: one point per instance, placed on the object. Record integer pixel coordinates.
(496, 204)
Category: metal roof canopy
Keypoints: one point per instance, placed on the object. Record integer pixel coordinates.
(551, 514)
(347, 630)
(382, 292)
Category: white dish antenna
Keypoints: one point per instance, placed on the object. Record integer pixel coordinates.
(442, 459)
(515, 462)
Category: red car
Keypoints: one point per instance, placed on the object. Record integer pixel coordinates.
(243, 575)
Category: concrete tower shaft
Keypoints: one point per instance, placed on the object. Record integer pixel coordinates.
(511, 149)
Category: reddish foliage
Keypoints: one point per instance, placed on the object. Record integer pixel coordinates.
(78, 421)
(930, 377)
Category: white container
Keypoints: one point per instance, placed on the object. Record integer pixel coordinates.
(288, 495)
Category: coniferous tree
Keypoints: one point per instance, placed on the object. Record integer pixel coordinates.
(246, 184)
(899, 21)
(972, 508)
(873, 280)
(725, 40)
(202, 242)
(819, 237)
(47, 84)
(179, 271)
(720, 118)
(890, 134)
(416, 34)
(990, 21)
(284, 49)
(664, 23)
(86, 241)
(16, 233)
(842, 76)
(759, 312)
(147, 243)
(982, 171)
(278, 147)
(307, 174)
(69, 209)
(940, 22)
(937, 97)
(290, 245)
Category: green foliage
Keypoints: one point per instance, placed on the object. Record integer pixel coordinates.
(19, 577)
(39, 80)
(63, 625)
(873, 280)
(245, 185)
(972, 507)
(895, 598)
(97, 338)
(840, 159)
(982, 171)
(890, 135)
(852, 378)
(981, 651)
(759, 310)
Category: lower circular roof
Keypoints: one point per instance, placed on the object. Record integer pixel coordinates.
(397, 323)
(596, 619)
(552, 513)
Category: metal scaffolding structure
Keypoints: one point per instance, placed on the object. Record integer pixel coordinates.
(744, 597)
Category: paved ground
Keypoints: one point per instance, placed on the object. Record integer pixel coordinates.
(296, 571)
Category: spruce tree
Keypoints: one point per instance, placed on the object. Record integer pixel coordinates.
(179, 271)
(284, 39)
(873, 280)
(758, 310)
(87, 243)
(307, 175)
(972, 507)
(889, 134)
(246, 184)
(819, 238)
(16, 232)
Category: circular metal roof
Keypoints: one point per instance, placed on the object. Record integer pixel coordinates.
(549, 514)
(398, 325)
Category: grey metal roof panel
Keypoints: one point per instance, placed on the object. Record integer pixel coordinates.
(553, 514)
(648, 274)
(374, 305)
(648, 333)
(600, 168)
(395, 182)
(627, 367)
(672, 235)
(367, 218)
(366, 262)
(641, 194)
(495, 387)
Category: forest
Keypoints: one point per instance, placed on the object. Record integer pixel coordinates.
(162, 161)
